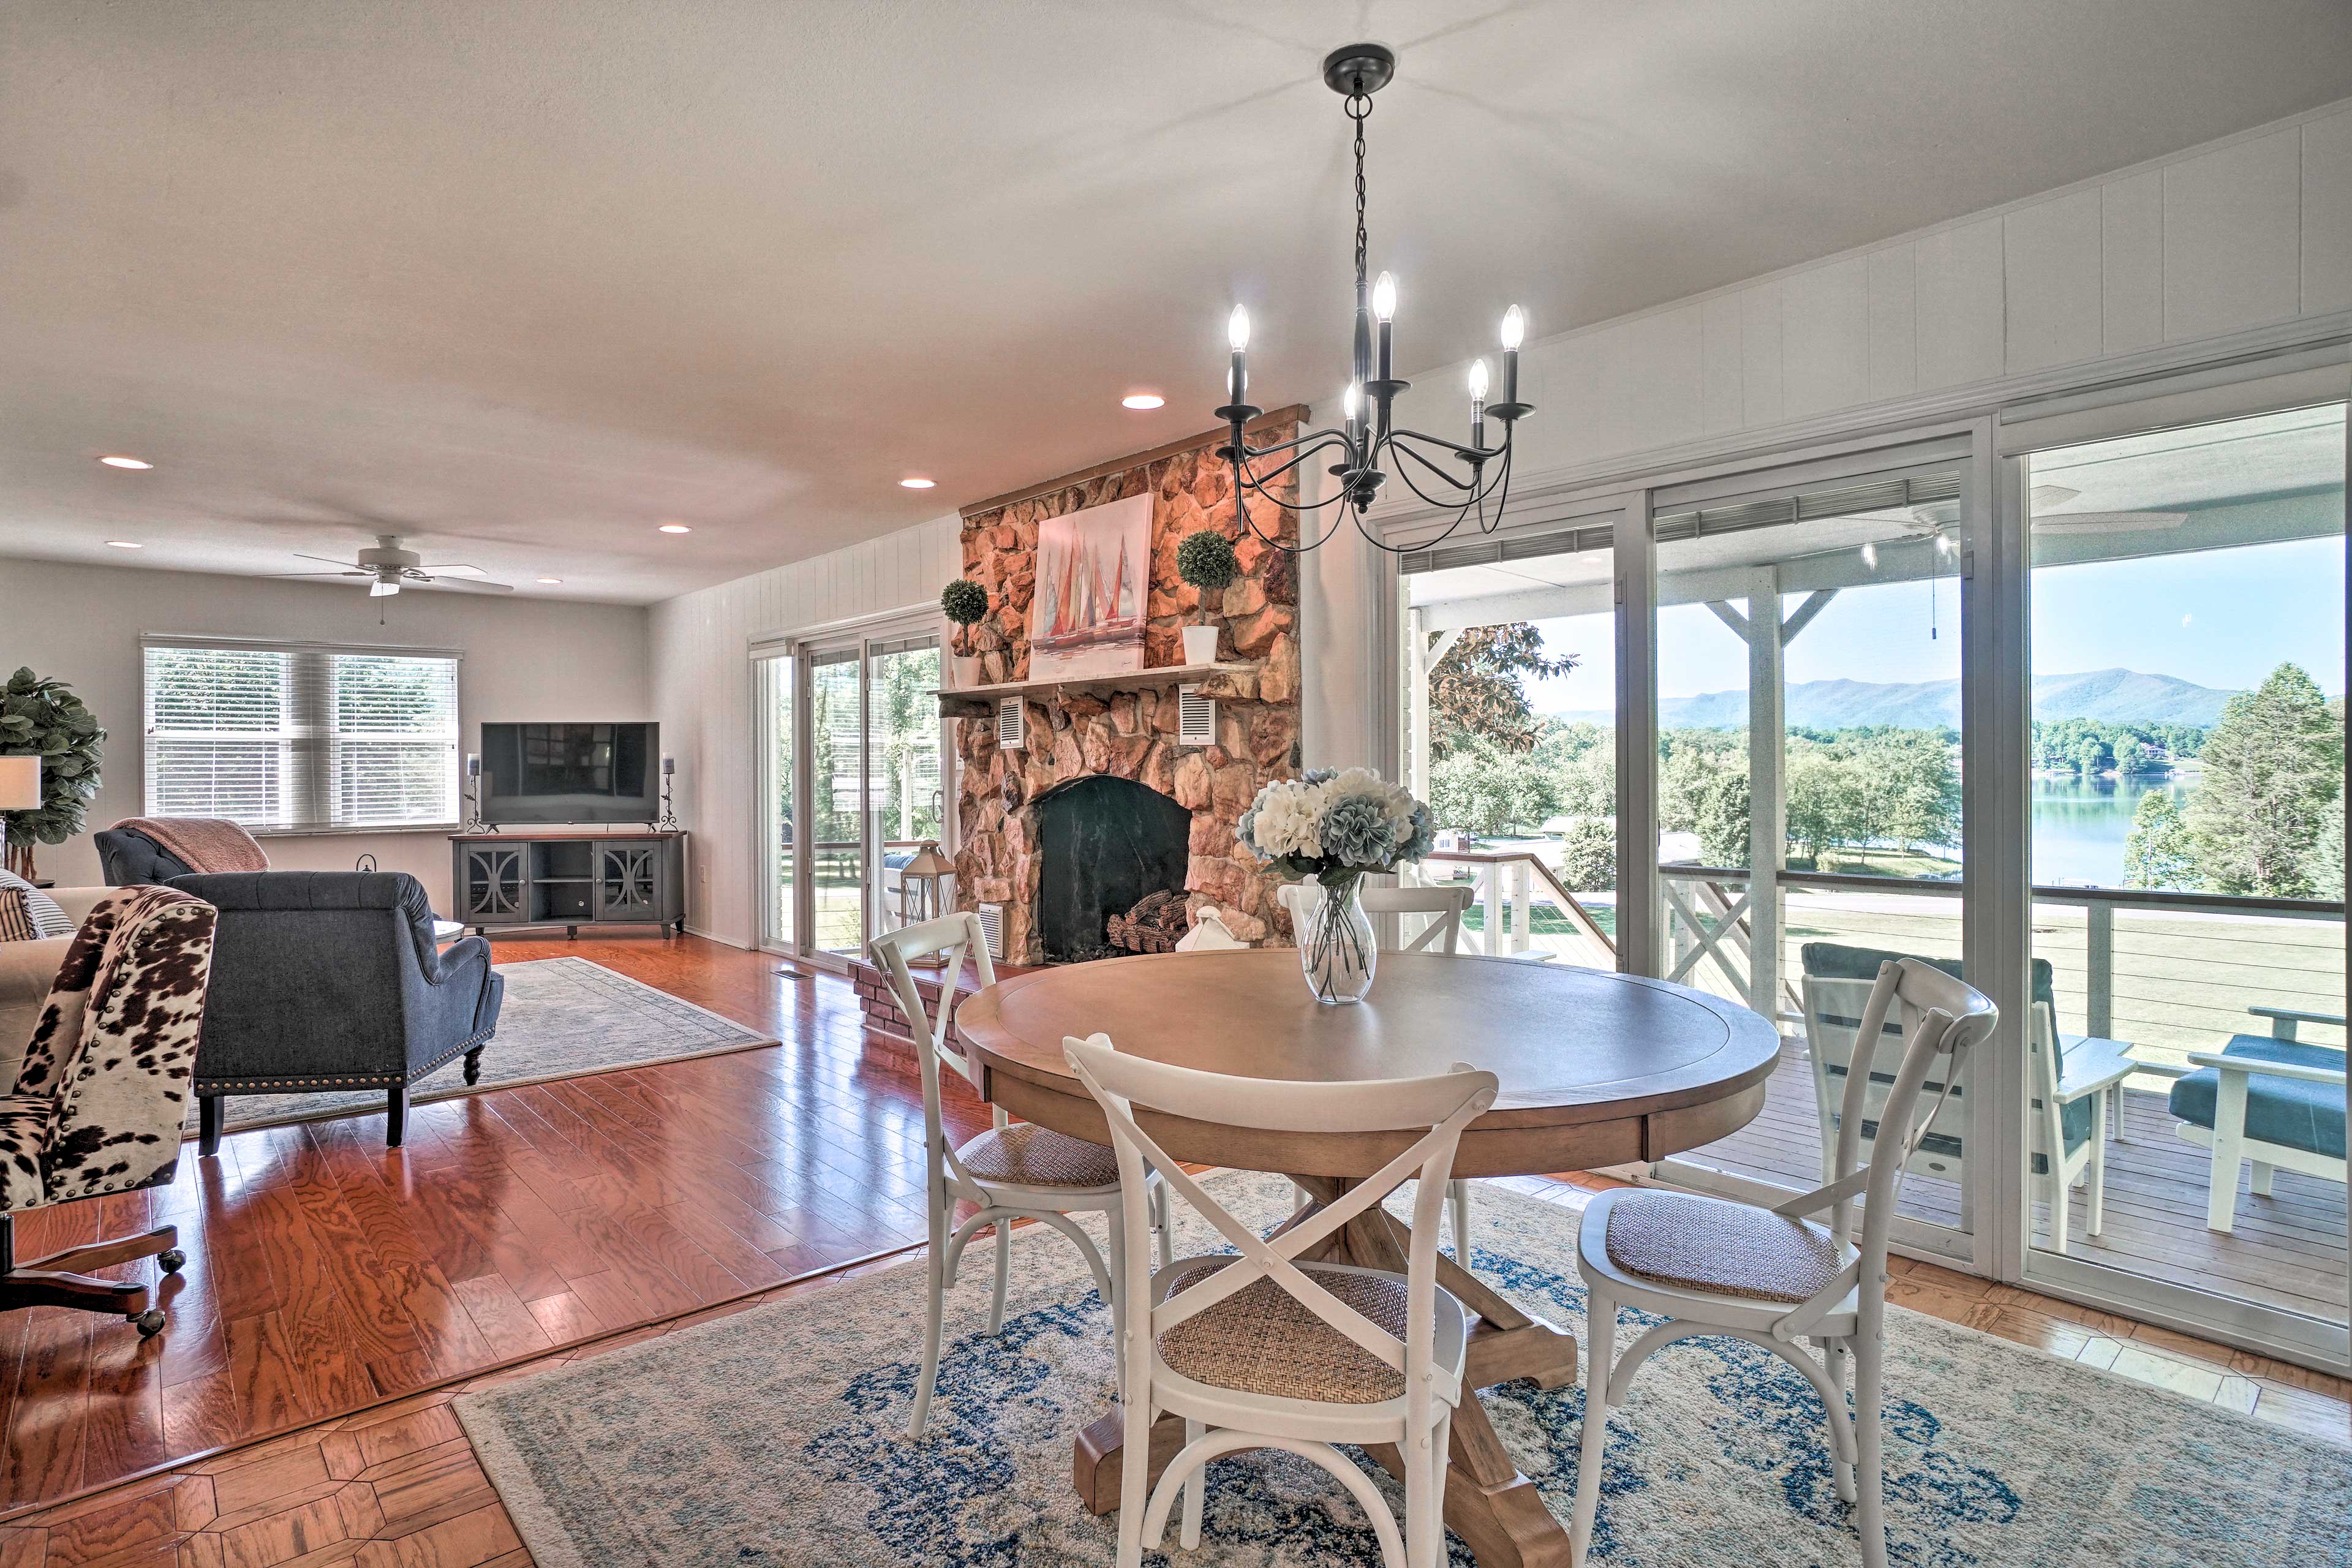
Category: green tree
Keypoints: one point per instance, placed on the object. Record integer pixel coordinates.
(1587, 860)
(1480, 786)
(1475, 691)
(1722, 819)
(2160, 851)
(2273, 768)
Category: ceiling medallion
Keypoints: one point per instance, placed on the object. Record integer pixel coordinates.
(1467, 474)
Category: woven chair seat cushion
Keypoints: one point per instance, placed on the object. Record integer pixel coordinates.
(1721, 1248)
(1263, 1339)
(1027, 1155)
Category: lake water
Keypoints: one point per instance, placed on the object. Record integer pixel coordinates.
(2079, 825)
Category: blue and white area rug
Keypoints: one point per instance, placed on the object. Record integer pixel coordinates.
(562, 1018)
(777, 1437)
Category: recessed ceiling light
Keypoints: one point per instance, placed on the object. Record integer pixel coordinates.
(676, 528)
(550, 579)
(1142, 400)
(115, 461)
(917, 484)
(123, 544)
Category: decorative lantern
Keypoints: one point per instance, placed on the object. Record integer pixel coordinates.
(920, 895)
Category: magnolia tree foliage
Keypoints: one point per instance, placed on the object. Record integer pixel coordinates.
(1475, 691)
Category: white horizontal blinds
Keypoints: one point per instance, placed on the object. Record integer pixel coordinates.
(1497, 550)
(301, 738)
(221, 731)
(391, 754)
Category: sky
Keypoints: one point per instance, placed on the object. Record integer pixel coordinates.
(2222, 618)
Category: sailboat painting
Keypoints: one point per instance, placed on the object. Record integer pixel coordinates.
(1094, 578)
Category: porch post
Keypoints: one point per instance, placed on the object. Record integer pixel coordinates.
(1416, 676)
(1768, 807)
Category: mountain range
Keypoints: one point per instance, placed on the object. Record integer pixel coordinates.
(2109, 695)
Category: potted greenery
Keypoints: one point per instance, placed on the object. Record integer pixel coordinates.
(965, 602)
(43, 718)
(1206, 560)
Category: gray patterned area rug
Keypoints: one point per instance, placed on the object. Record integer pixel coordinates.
(776, 1438)
(562, 1018)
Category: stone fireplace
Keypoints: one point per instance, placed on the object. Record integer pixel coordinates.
(1015, 803)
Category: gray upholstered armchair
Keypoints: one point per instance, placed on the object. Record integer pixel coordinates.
(329, 980)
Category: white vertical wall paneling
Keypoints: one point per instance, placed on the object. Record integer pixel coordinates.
(1825, 338)
(2051, 260)
(1959, 290)
(2328, 215)
(2233, 239)
(2131, 262)
(1894, 343)
(1760, 351)
(702, 691)
(1723, 384)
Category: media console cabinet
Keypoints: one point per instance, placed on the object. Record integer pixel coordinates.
(509, 880)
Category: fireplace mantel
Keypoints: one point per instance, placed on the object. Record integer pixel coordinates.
(1224, 679)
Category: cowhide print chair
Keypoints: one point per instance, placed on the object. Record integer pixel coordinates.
(101, 1092)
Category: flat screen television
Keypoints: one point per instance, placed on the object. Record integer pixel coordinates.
(571, 773)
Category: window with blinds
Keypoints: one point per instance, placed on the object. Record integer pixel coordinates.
(295, 738)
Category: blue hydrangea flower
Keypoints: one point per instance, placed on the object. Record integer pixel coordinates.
(1320, 775)
(1422, 838)
(1356, 832)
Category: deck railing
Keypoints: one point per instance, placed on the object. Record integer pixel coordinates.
(1505, 880)
(2168, 971)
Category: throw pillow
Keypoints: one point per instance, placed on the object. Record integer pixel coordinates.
(28, 914)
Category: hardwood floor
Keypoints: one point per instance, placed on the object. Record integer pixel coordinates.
(327, 1274)
(341, 1295)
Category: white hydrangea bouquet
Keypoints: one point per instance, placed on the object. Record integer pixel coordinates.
(1336, 827)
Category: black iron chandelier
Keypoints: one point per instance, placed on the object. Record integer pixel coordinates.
(1465, 474)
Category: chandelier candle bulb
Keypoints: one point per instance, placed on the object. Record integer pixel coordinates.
(1515, 327)
(1478, 402)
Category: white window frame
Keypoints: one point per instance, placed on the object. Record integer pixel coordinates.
(308, 738)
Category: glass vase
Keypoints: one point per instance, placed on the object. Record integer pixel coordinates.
(1335, 941)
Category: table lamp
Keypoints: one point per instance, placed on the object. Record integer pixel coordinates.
(20, 789)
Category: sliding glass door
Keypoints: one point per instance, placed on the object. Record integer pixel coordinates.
(853, 782)
(2185, 1147)
(1807, 781)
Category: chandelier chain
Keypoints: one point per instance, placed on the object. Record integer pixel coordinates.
(1360, 108)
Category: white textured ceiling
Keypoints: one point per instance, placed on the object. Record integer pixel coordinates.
(522, 281)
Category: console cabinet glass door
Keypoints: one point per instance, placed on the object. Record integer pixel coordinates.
(627, 877)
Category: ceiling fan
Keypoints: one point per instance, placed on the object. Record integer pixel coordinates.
(1938, 516)
(386, 566)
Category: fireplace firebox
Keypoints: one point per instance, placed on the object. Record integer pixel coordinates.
(1104, 844)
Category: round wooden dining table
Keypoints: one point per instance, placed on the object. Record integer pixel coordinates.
(1596, 1069)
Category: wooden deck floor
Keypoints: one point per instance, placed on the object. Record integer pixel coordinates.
(2287, 1250)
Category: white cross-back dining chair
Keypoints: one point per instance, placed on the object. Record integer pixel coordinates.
(1711, 1265)
(1261, 1350)
(1446, 906)
(1014, 1170)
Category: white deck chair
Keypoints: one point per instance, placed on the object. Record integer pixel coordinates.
(1709, 1265)
(1446, 906)
(1263, 1351)
(1013, 1171)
